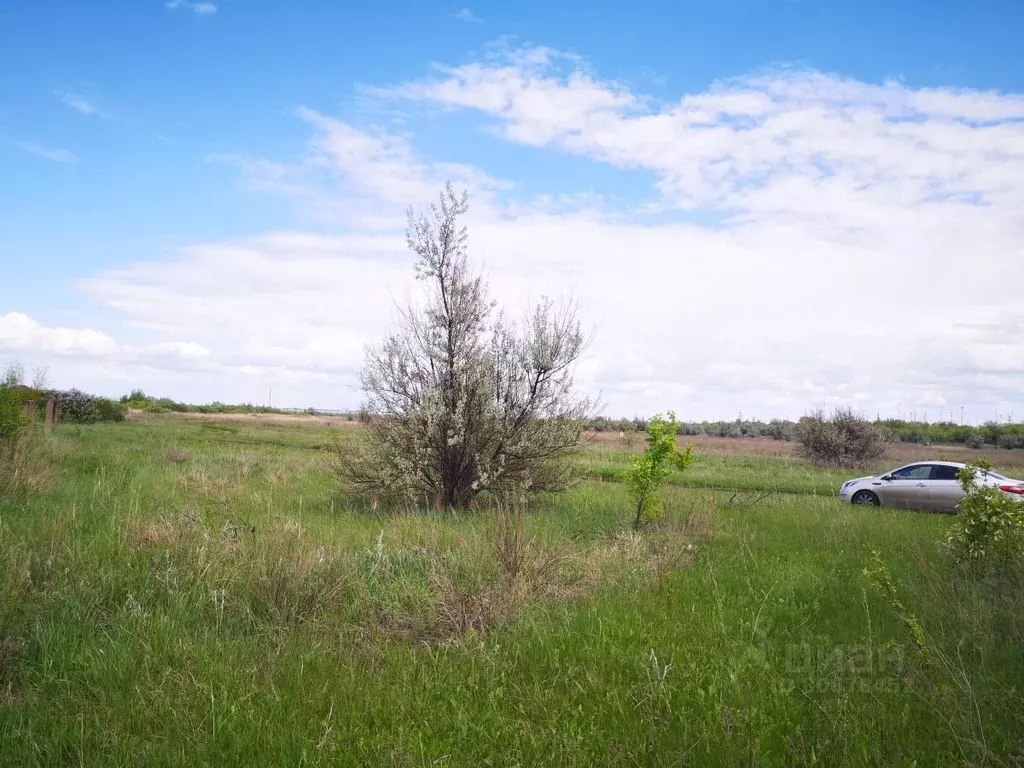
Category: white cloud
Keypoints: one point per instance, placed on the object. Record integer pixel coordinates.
(807, 239)
(199, 8)
(467, 15)
(288, 304)
(185, 349)
(80, 104)
(737, 146)
(20, 333)
(880, 211)
(362, 179)
(50, 153)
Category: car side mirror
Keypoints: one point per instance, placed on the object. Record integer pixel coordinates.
(887, 478)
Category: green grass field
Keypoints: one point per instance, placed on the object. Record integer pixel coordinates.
(198, 593)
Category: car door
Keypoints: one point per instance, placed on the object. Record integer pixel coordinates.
(907, 487)
(944, 491)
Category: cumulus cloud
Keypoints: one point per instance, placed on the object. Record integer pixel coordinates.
(290, 304)
(745, 140)
(467, 15)
(807, 239)
(855, 214)
(93, 359)
(20, 333)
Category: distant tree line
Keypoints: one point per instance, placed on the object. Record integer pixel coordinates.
(137, 400)
(78, 407)
(777, 429)
(990, 434)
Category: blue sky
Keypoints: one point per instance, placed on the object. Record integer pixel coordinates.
(205, 198)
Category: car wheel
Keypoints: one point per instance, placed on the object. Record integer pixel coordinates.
(865, 497)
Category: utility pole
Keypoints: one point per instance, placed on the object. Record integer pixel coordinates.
(961, 415)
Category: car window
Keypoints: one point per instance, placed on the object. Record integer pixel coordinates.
(941, 472)
(917, 472)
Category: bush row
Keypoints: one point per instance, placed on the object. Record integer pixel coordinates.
(947, 433)
(776, 428)
(139, 401)
(990, 434)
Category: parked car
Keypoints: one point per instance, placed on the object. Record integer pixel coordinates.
(929, 485)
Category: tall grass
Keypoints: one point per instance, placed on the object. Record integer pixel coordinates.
(180, 595)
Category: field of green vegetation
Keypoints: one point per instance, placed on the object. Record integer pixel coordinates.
(176, 593)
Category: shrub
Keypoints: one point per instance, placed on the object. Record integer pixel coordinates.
(654, 465)
(975, 441)
(947, 433)
(779, 429)
(840, 440)
(730, 429)
(467, 402)
(750, 428)
(12, 420)
(991, 431)
(1011, 441)
(109, 410)
(990, 526)
(629, 438)
(135, 399)
(917, 436)
(77, 407)
(13, 437)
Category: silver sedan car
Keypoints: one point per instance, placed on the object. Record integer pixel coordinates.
(931, 485)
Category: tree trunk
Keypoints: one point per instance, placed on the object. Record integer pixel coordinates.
(639, 515)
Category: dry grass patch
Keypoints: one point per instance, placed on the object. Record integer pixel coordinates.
(420, 580)
(30, 467)
(175, 455)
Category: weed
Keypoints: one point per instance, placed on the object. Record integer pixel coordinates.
(990, 525)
